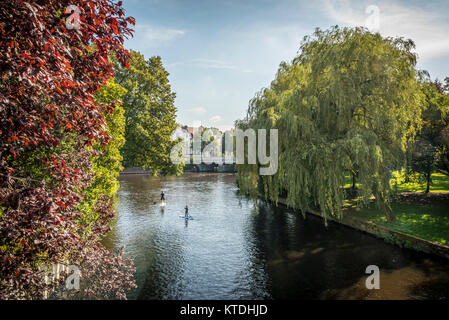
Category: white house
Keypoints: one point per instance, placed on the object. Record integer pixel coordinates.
(181, 132)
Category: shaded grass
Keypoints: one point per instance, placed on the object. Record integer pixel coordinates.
(429, 222)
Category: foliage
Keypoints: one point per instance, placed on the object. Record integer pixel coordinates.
(50, 126)
(149, 115)
(348, 103)
(107, 165)
(443, 140)
(425, 152)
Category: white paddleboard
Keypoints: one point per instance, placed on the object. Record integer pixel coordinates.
(187, 218)
(162, 203)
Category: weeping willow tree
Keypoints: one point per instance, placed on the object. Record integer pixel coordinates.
(347, 105)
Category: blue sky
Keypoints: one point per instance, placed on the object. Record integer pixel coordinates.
(220, 53)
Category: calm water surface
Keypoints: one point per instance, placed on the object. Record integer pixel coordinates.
(236, 249)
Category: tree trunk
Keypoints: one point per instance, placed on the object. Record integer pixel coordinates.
(428, 183)
(386, 209)
(353, 181)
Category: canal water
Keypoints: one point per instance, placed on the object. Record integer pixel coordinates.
(237, 249)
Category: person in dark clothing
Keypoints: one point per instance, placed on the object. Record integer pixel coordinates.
(162, 196)
(187, 211)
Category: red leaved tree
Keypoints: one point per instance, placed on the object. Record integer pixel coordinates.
(51, 65)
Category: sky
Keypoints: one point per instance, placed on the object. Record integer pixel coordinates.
(221, 53)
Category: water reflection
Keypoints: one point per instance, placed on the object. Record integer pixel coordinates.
(235, 249)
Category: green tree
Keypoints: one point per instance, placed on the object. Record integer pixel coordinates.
(349, 102)
(149, 115)
(49, 123)
(426, 149)
(443, 139)
(107, 163)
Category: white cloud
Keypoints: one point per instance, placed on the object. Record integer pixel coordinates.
(150, 36)
(213, 64)
(215, 119)
(429, 35)
(209, 64)
(260, 47)
(197, 110)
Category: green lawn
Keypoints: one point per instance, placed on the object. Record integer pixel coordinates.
(426, 221)
(430, 222)
(440, 183)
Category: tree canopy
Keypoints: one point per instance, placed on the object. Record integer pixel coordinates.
(53, 129)
(149, 114)
(349, 103)
(428, 152)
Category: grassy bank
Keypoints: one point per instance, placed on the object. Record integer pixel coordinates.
(423, 217)
(429, 222)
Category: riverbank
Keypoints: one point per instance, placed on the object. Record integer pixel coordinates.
(371, 221)
(134, 171)
(422, 220)
(426, 220)
(201, 168)
(240, 249)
